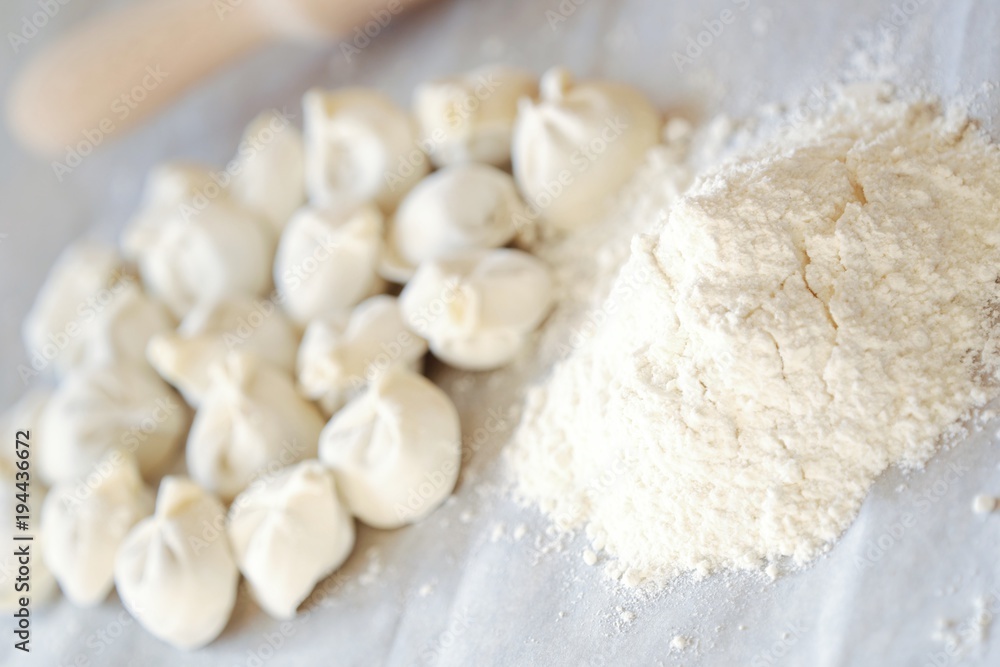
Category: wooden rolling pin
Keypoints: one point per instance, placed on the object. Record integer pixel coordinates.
(111, 72)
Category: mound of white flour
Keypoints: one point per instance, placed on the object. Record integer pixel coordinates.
(804, 317)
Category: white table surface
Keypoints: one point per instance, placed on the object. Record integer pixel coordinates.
(444, 592)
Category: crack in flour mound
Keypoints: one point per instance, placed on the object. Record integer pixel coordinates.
(805, 316)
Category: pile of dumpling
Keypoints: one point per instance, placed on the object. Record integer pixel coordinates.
(247, 318)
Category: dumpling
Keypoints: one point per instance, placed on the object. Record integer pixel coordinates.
(288, 531)
(359, 147)
(193, 243)
(39, 586)
(395, 450)
(477, 308)
(175, 572)
(121, 332)
(578, 145)
(212, 330)
(250, 419)
(85, 271)
(85, 521)
(112, 407)
(341, 355)
(90, 312)
(327, 259)
(269, 172)
(470, 117)
(26, 414)
(468, 206)
(183, 186)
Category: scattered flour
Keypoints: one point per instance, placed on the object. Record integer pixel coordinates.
(961, 637)
(374, 568)
(498, 532)
(984, 504)
(803, 317)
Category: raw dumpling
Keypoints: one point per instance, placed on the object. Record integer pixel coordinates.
(112, 407)
(121, 331)
(470, 117)
(288, 531)
(25, 415)
(250, 420)
(395, 450)
(360, 147)
(183, 186)
(193, 243)
(578, 145)
(91, 312)
(477, 308)
(465, 207)
(327, 259)
(212, 330)
(342, 355)
(84, 522)
(269, 176)
(175, 571)
(39, 586)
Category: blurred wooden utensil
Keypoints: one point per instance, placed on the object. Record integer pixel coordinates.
(114, 70)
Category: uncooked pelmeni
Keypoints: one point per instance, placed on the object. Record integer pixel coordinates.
(341, 355)
(25, 415)
(175, 571)
(269, 173)
(123, 329)
(22, 422)
(175, 185)
(395, 450)
(289, 531)
(111, 407)
(84, 521)
(90, 311)
(327, 260)
(39, 586)
(477, 308)
(470, 117)
(578, 145)
(171, 190)
(250, 418)
(360, 147)
(193, 243)
(464, 207)
(212, 330)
